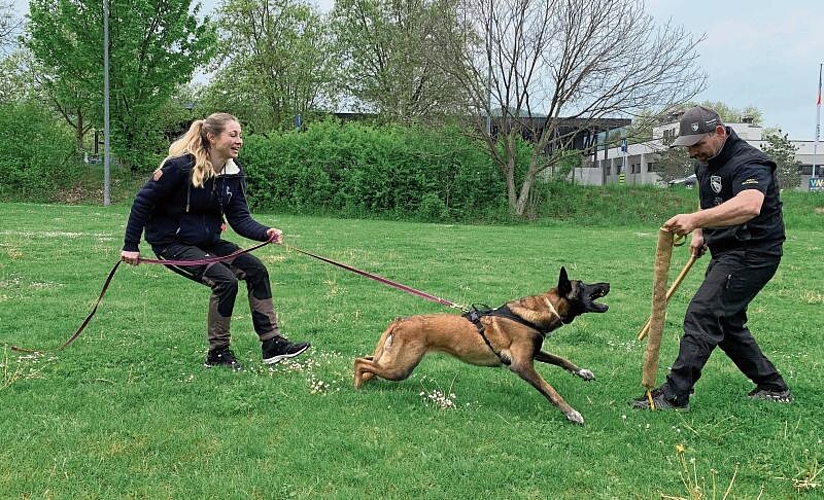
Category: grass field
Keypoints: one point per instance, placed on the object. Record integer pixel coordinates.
(128, 411)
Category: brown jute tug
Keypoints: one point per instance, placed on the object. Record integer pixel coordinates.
(663, 257)
(675, 284)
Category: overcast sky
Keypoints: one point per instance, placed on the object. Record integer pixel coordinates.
(761, 53)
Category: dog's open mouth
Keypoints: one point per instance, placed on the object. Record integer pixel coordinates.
(598, 291)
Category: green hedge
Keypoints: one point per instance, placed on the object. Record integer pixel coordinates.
(357, 170)
(37, 154)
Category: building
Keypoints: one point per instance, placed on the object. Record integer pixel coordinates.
(635, 163)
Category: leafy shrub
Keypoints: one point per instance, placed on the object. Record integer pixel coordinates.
(36, 154)
(358, 170)
(433, 209)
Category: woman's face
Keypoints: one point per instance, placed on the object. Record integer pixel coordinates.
(227, 144)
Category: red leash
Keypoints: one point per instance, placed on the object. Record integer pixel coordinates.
(200, 262)
(379, 279)
(213, 260)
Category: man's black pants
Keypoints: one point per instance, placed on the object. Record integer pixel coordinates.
(717, 316)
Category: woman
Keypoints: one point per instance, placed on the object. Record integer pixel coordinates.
(183, 208)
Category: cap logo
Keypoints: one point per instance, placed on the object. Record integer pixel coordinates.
(694, 126)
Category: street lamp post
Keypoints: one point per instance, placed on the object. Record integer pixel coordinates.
(817, 127)
(489, 71)
(107, 198)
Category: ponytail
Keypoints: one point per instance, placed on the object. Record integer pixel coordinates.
(196, 142)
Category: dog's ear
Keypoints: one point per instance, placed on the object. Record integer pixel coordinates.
(564, 286)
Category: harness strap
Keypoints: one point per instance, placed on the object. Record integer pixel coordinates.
(506, 312)
(474, 315)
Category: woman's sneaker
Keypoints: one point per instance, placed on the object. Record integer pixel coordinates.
(222, 356)
(770, 395)
(279, 348)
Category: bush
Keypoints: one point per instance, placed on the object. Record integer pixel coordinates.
(36, 154)
(358, 170)
(433, 209)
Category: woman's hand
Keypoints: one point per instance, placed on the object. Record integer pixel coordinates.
(131, 258)
(275, 235)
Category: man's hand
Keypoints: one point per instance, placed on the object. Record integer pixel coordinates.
(681, 224)
(697, 246)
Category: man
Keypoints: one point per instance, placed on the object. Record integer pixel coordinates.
(741, 223)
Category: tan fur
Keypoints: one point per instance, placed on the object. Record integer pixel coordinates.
(407, 340)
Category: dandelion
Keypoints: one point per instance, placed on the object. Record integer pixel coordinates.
(317, 386)
(440, 399)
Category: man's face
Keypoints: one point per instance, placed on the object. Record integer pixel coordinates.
(707, 147)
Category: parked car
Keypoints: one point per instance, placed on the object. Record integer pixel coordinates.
(688, 181)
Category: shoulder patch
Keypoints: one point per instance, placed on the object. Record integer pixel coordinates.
(157, 175)
(750, 182)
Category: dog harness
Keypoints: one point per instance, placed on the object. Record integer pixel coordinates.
(474, 315)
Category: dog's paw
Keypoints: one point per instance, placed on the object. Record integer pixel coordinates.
(575, 417)
(585, 374)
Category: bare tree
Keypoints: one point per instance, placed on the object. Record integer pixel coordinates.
(273, 63)
(547, 70)
(384, 46)
(10, 26)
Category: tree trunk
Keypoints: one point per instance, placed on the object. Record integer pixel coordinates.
(510, 159)
(79, 132)
(523, 196)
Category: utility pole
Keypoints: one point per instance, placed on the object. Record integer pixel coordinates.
(489, 72)
(107, 182)
(817, 125)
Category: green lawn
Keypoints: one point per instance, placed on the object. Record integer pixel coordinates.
(128, 411)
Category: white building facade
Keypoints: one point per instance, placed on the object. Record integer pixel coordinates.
(636, 163)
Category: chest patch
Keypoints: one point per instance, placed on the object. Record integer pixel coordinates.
(715, 183)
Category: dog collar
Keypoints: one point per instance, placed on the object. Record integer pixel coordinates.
(551, 308)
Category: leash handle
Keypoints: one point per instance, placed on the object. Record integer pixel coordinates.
(200, 262)
(88, 318)
(380, 279)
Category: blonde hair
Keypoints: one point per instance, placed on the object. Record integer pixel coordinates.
(196, 142)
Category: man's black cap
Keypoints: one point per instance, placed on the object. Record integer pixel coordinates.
(696, 123)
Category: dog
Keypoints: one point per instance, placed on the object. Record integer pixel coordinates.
(511, 335)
